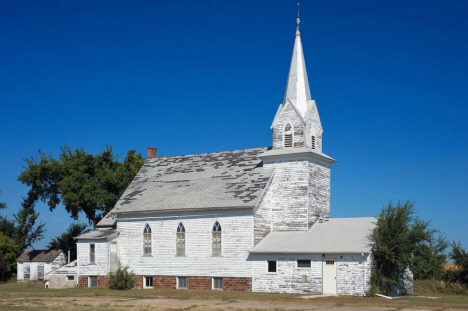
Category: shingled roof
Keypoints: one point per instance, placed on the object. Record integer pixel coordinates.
(39, 255)
(229, 179)
(338, 235)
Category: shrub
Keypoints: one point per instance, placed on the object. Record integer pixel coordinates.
(121, 279)
(8, 255)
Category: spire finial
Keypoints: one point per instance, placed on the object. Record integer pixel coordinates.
(298, 33)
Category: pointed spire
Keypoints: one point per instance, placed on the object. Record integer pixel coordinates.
(297, 88)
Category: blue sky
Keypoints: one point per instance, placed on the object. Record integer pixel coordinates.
(389, 77)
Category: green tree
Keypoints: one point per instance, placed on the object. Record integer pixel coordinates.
(66, 242)
(398, 235)
(82, 182)
(121, 279)
(460, 258)
(23, 228)
(26, 230)
(8, 255)
(429, 258)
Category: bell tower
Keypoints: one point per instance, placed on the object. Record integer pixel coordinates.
(299, 191)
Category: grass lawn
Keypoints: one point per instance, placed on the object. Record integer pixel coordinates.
(33, 296)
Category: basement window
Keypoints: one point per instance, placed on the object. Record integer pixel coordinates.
(271, 266)
(218, 283)
(92, 281)
(70, 277)
(303, 263)
(181, 282)
(148, 282)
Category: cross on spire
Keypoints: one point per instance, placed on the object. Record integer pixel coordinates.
(298, 33)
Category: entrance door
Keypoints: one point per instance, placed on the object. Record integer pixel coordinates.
(113, 256)
(329, 277)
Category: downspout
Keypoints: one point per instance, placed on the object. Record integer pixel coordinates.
(365, 276)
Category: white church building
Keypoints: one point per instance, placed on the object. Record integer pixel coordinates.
(251, 220)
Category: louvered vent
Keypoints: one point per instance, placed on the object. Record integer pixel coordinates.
(287, 140)
(313, 142)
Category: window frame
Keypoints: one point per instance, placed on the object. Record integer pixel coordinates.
(147, 246)
(268, 266)
(292, 135)
(147, 278)
(219, 232)
(184, 234)
(213, 283)
(178, 282)
(92, 253)
(309, 267)
(89, 281)
(70, 277)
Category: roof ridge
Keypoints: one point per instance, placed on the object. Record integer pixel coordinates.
(215, 152)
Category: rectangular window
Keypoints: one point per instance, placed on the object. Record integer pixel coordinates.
(92, 281)
(148, 282)
(92, 253)
(218, 283)
(70, 277)
(180, 244)
(181, 282)
(26, 271)
(303, 263)
(272, 266)
(40, 273)
(330, 262)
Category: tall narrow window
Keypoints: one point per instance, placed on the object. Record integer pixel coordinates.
(288, 136)
(147, 240)
(180, 239)
(92, 253)
(312, 142)
(216, 239)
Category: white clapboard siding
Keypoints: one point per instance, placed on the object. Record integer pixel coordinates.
(353, 273)
(101, 258)
(288, 277)
(237, 239)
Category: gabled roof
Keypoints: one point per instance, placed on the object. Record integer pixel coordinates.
(39, 255)
(335, 236)
(221, 180)
(69, 268)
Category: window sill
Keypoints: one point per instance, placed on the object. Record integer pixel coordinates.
(180, 256)
(216, 256)
(147, 256)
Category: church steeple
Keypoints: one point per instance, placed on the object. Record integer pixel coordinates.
(297, 88)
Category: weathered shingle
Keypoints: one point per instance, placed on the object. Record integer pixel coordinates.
(230, 179)
(338, 235)
(39, 255)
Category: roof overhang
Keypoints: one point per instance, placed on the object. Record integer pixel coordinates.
(292, 153)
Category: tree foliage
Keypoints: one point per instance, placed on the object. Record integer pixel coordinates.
(460, 258)
(82, 182)
(398, 235)
(121, 279)
(66, 242)
(24, 229)
(429, 259)
(8, 255)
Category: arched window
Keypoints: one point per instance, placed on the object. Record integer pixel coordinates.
(216, 239)
(180, 240)
(147, 240)
(288, 136)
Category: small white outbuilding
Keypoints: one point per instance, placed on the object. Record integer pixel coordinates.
(34, 265)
